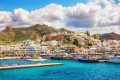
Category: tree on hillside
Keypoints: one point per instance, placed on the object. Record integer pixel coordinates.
(75, 42)
(1, 54)
(87, 33)
(96, 36)
(41, 40)
(89, 44)
(67, 38)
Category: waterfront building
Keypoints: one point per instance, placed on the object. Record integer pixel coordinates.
(69, 49)
(5, 49)
(79, 50)
(113, 49)
(60, 51)
(50, 52)
(27, 50)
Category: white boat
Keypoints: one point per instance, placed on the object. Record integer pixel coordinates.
(114, 60)
(39, 59)
(4, 65)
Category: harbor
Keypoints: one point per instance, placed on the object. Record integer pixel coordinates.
(59, 40)
(69, 71)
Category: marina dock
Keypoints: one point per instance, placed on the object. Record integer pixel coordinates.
(28, 66)
(102, 60)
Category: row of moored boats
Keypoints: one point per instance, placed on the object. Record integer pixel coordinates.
(90, 59)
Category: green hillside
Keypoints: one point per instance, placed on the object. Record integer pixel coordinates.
(10, 35)
(64, 30)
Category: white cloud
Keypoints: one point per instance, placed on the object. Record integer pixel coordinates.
(81, 14)
(50, 13)
(98, 16)
(5, 16)
(108, 16)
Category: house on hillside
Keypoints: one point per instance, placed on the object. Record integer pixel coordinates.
(5, 49)
(28, 43)
(62, 33)
(113, 49)
(96, 41)
(52, 43)
(54, 34)
(81, 41)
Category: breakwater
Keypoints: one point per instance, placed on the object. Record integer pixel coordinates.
(28, 66)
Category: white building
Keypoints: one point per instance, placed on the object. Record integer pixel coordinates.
(53, 42)
(54, 34)
(27, 50)
(81, 41)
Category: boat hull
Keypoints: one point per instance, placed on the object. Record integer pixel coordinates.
(115, 60)
(56, 58)
(88, 61)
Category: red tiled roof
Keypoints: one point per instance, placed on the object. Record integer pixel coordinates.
(80, 49)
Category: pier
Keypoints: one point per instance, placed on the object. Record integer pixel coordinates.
(10, 58)
(28, 66)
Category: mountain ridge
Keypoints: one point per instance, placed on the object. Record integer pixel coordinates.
(110, 36)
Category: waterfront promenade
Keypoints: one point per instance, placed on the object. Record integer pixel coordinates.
(28, 66)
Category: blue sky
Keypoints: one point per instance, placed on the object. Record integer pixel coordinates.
(10, 5)
(98, 16)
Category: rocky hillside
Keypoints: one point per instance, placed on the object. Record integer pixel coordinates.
(64, 30)
(11, 34)
(110, 36)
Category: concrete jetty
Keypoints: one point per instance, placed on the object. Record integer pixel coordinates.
(28, 66)
(9, 58)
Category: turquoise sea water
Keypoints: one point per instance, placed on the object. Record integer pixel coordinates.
(71, 70)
